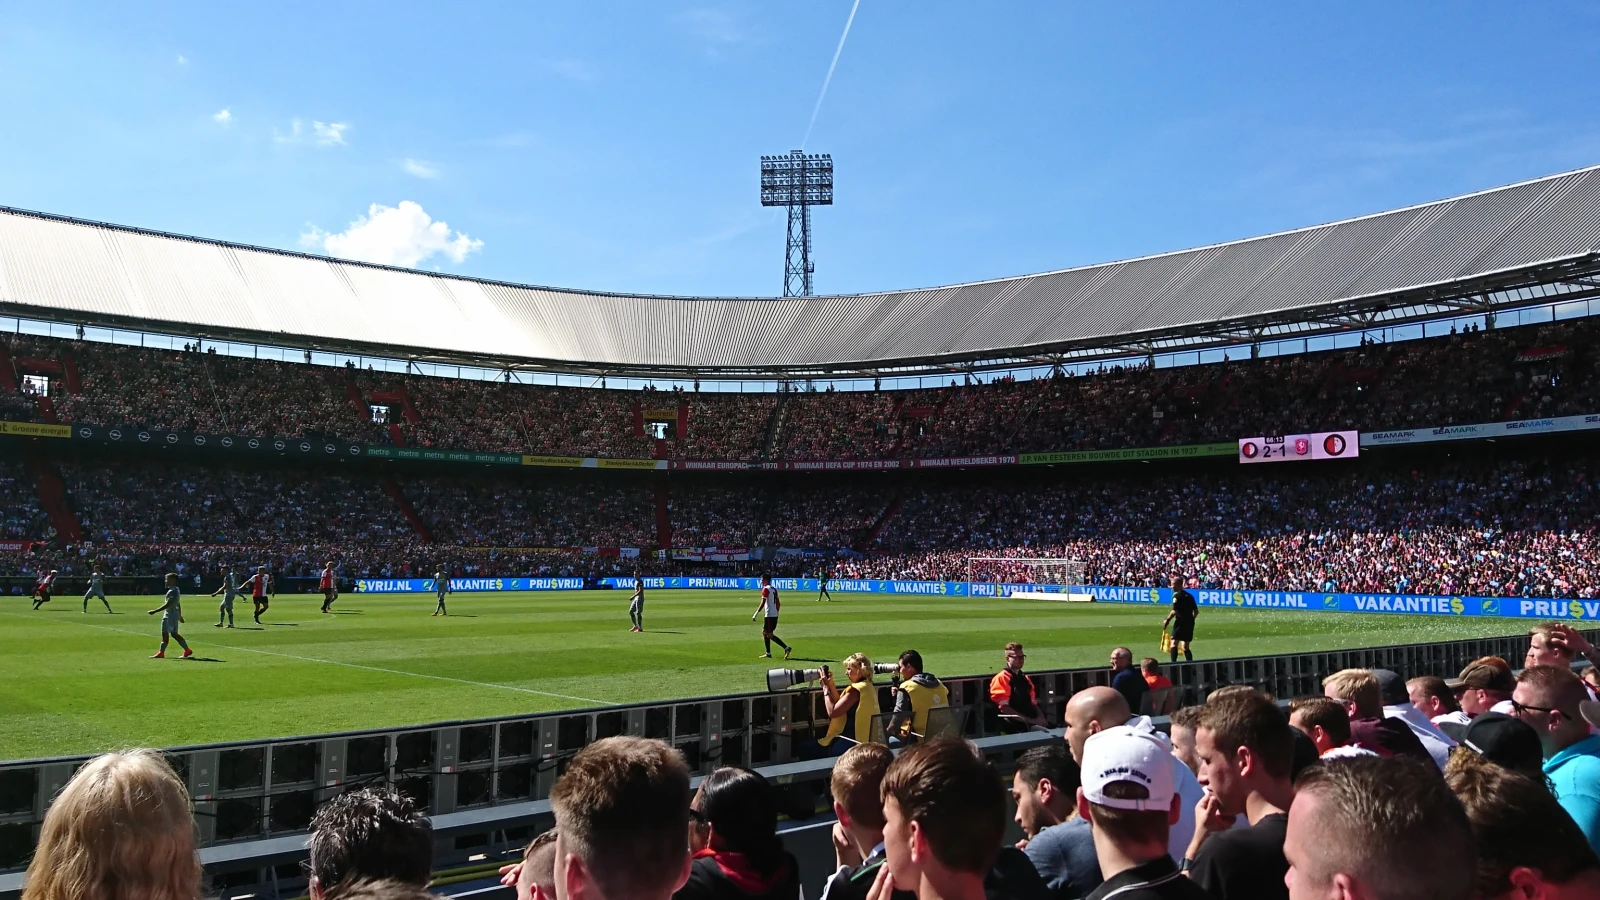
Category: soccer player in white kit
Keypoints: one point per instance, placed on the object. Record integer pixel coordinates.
(769, 628)
(229, 591)
(171, 617)
(97, 588)
(441, 584)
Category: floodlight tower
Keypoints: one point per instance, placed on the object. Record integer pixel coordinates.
(799, 181)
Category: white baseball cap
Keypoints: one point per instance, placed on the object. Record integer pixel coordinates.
(1133, 753)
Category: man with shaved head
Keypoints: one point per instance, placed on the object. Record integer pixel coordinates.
(1096, 709)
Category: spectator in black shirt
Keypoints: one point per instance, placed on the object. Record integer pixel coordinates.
(1130, 798)
(1246, 750)
(1127, 680)
(1181, 618)
(1386, 829)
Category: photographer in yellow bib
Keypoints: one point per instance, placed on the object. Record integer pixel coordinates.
(918, 693)
(849, 709)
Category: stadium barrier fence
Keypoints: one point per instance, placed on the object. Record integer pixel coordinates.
(482, 774)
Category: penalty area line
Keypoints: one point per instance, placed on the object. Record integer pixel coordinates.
(348, 665)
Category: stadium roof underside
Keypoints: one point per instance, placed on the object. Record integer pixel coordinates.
(1525, 244)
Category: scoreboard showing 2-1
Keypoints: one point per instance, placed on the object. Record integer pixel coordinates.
(1297, 447)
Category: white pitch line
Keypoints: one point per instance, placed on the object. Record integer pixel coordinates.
(335, 662)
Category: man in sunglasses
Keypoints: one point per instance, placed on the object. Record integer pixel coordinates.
(1552, 699)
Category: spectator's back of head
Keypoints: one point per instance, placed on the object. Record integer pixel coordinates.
(1358, 690)
(622, 808)
(1149, 666)
(1523, 835)
(1389, 826)
(1091, 710)
(955, 799)
(1229, 690)
(537, 880)
(371, 833)
(857, 781)
(122, 827)
(1505, 741)
(742, 810)
(381, 889)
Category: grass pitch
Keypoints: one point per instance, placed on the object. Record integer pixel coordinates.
(72, 682)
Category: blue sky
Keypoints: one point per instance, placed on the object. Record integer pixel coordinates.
(614, 146)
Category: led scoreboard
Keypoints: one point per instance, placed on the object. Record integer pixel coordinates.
(1296, 447)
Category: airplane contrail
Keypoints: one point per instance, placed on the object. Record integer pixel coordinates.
(831, 66)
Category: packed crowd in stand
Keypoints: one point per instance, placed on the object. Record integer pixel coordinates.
(1367, 790)
(484, 511)
(1502, 528)
(119, 501)
(1481, 376)
(20, 515)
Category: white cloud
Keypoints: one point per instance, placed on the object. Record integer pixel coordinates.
(222, 116)
(401, 235)
(714, 27)
(323, 134)
(183, 60)
(421, 168)
(329, 132)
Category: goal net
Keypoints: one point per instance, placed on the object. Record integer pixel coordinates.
(1037, 578)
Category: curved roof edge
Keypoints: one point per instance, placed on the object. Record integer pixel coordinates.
(1529, 242)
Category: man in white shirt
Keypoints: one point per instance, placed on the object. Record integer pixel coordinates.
(1397, 705)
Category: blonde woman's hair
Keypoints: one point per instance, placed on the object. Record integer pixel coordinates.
(122, 829)
(859, 659)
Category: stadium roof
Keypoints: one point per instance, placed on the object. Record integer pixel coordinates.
(1524, 244)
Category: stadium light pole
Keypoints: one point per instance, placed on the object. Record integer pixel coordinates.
(799, 181)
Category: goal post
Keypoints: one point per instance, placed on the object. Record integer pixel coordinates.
(1028, 577)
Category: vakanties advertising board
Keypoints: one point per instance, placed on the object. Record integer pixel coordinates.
(1287, 601)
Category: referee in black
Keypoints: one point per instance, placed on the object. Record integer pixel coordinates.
(1181, 618)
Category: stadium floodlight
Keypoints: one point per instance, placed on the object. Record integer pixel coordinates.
(799, 181)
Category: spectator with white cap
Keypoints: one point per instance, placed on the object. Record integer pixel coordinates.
(1130, 797)
(1096, 709)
